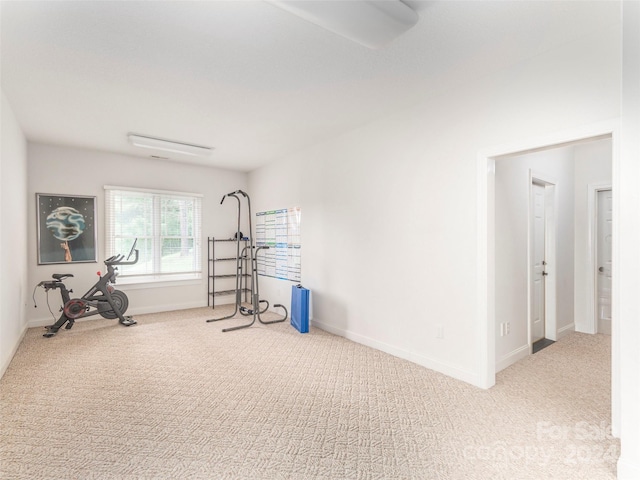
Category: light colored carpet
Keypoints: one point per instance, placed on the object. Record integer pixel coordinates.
(174, 397)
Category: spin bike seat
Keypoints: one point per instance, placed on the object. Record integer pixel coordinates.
(61, 276)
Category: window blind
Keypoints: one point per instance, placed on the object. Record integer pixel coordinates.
(166, 224)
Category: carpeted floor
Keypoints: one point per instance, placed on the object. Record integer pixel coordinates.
(174, 397)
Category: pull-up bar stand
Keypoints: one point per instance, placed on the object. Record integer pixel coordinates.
(254, 311)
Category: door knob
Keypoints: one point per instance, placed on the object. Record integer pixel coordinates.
(601, 269)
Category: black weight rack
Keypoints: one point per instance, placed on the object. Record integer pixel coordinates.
(221, 268)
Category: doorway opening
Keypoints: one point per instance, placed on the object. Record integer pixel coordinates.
(542, 244)
(491, 245)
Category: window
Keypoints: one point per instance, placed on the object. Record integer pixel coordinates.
(167, 226)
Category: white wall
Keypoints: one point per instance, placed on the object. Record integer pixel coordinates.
(593, 165)
(85, 172)
(389, 216)
(626, 332)
(13, 236)
(512, 180)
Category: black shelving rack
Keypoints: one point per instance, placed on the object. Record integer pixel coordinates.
(215, 277)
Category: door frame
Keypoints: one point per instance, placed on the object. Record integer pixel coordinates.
(485, 246)
(550, 227)
(592, 262)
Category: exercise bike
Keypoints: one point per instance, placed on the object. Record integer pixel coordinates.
(101, 299)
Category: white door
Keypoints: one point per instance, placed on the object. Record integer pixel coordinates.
(603, 256)
(538, 263)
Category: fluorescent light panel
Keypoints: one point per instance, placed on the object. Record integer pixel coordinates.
(372, 23)
(169, 146)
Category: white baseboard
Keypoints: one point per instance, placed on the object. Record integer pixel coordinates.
(584, 328)
(628, 469)
(7, 361)
(460, 374)
(512, 357)
(43, 322)
(523, 351)
(566, 330)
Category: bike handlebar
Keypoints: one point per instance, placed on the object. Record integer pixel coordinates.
(135, 260)
(119, 259)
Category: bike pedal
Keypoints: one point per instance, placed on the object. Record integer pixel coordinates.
(69, 325)
(128, 321)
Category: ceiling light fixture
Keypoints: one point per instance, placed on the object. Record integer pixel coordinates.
(372, 23)
(169, 146)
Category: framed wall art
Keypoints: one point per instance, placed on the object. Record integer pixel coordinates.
(67, 230)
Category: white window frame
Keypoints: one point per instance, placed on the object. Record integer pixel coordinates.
(194, 276)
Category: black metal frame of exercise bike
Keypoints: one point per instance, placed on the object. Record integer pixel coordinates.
(103, 297)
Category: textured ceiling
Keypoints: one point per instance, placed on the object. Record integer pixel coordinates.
(245, 77)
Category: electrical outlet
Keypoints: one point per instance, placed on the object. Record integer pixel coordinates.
(440, 331)
(507, 328)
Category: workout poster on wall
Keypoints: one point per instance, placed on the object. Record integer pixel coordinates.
(280, 231)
